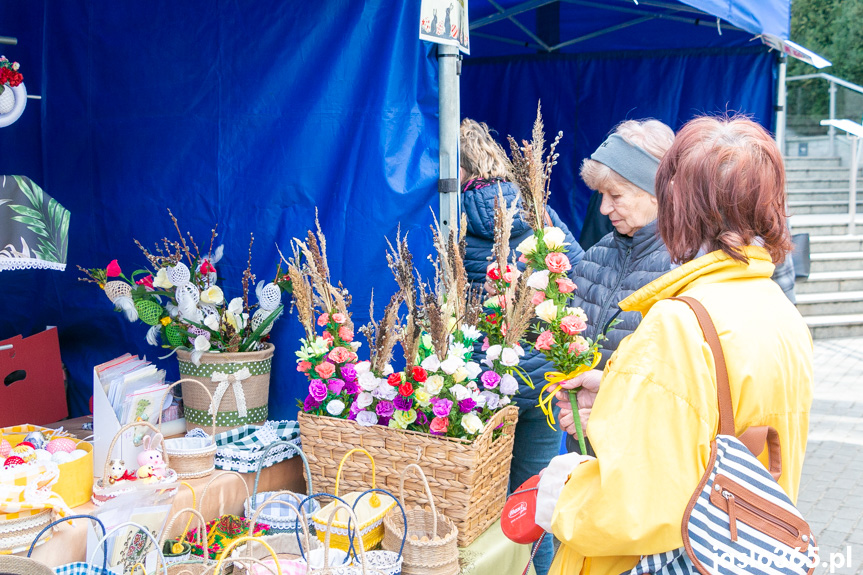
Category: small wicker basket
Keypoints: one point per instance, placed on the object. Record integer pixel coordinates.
(177, 562)
(189, 458)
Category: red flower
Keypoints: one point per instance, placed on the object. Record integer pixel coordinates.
(406, 389)
(419, 374)
(113, 270)
(207, 267)
(394, 379)
(146, 281)
(493, 272)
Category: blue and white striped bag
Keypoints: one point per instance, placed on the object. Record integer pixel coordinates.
(739, 520)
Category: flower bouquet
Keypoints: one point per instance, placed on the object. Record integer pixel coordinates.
(9, 77)
(558, 336)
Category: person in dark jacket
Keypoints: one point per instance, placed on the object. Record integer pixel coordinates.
(484, 174)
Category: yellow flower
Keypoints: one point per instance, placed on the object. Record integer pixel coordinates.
(423, 397)
(213, 295)
(460, 375)
(161, 280)
(165, 320)
(547, 310)
(404, 418)
(434, 384)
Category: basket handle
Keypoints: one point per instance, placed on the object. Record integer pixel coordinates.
(70, 518)
(404, 515)
(274, 500)
(119, 434)
(159, 556)
(269, 568)
(264, 456)
(309, 543)
(227, 552)
(351, 517)
(342, 464)
(216, 477)
(210, 395)
(425, 480)
(203, 536)
(138, 566)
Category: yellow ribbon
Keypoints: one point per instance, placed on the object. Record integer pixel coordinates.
(523, 375)
(554, 378)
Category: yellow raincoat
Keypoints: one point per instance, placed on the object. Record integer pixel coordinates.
(657, 411)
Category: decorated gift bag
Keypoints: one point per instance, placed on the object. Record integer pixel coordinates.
(194, 455)
(79, 567)
(27, 504)
(242, 449)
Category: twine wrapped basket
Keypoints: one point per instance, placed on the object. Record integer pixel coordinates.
(468, 479)
(191, 457)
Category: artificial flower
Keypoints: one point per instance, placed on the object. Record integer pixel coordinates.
(385, 408)
(578, 346)
(504, 401)
(509, 357)
(213, 295)
(339, 355)
(368, 381)
(146, 281)
(328, 337)
(339, 318)
(441, 407)
(510, 274)
(451, 364)
(492, 302)
(403, 403)
(572, 325)
(557, 263)
(348, 372)
(565, 285)
(538, 297)
(508, 384)
(434, 384)
(439, 425)
(346, 333)
(365, 399)
(385, 391)
(492, 271)
(351, 387)
(538, 280)
(460, 392)
(471, 423)
(490, 379)
(547, 310)
(470, 332)
(367, 418)
(212, 321)
(325, 370)
(423, 397)
(363, 367)
(577, 312)
(202, 343)
(394, 379)
(527, 245)
(406, 389)
(318, 390)
(431, 363)
(161, 280)
(459, 350)
(206, 267)
(323, 319)
(310, 403)
(493, 352)
(405, 418)
(485, 344)
(554, 238)
(466, 405)
(492, 400)
(419, 374)
(544, 341)
(113, 270)
(335, 407)
(236, 305)
(473, 369)
(355, 345)
(335, 386)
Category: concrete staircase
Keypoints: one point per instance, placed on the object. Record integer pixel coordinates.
(831, 299)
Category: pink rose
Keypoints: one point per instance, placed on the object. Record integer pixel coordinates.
(485, 344)
(304, 366)
(323, 319)
(538, 297)
(579, 346)
(572, 325)
(439, 425)
(346, 334)
(522, 259)
(339, 355)
(544, 341)
(325, 370)
(352, 357)
(328, 337)
(557, 263)
(339, 318)
(565, 285)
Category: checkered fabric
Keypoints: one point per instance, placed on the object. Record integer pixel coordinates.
(79, 568)
(240, 449)
(26, 489)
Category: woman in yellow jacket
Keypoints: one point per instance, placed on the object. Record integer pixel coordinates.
(721, 192)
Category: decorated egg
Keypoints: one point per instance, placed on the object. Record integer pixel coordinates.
(5, 448)
(23, 449)
(61, 444)
(42, 455)
(61, 457)
(37, 439)
(13, 460)
(77, 454)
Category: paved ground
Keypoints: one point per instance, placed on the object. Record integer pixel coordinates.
(831, 493)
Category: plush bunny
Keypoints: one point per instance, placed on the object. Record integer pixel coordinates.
(152, 456)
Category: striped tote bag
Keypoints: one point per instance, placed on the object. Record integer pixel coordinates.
(739, 519)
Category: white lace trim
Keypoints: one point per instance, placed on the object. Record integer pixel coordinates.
(7, 264)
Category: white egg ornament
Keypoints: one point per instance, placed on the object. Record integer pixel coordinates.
(43, 455)
(61, 457)
(259, 317)
(77, 454)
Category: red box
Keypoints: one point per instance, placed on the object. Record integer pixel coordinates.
(31, 380)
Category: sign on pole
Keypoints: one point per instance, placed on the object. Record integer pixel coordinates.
(445, 22)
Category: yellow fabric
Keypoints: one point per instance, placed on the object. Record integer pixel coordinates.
(26, 490)
(656, 412)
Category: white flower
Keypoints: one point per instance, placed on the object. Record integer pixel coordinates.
(426, 340)
(367, 418)
(433, 384)
(388, 369)
(451, 364)
(335, 407)
(527, 245)
(202, 343)
(554, 238)
(364, 399)
(212, 322)
(480, 400)
(213, 295)
(368, 381)
(508, 357)
(518, 349)
(317, 348)
(504, 401)
(473, 369)
(493, 352)
(363, 367)
(460, 392)
(577, 312)
(547, 310)
(471, 423)
(161, 280)
(538, 280)
(470, 332)
(492, 400)
(431, 363)
(508, 384)
(458, 349)
(355, 345)
(236, 306)
(385, 391)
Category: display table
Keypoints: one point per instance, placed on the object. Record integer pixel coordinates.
(493, 554)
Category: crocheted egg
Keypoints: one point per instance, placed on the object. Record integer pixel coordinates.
(149, 311)
(61, 444)
(259, 317)
(77, 454)
(61, 457)
(5, 448)
(175, 338)
(13, 460)
(42, 455)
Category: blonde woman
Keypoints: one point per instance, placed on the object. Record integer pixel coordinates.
(484, 166)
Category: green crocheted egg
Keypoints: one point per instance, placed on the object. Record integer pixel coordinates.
(149, 311)
(173, 335)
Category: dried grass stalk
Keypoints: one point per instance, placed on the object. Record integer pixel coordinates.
(519, 310)
(382, 337)
(400, 262)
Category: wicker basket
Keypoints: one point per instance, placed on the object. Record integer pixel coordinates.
(185, 561)
(468, 479)
(191, 459)
(430, 544)
(17, 534)
(223, 369)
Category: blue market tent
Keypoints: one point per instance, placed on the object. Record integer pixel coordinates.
(251, 115)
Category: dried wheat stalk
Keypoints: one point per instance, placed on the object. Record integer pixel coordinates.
(382, 337)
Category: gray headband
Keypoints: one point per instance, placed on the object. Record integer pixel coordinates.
(633, 163)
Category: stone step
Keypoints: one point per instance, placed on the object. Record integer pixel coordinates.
(824, 224)
(823, 207)
(826, 282)
(837, 261)
(821, 173)
(834, 326)
(820, 182)
(830, 303)
(826, 244)
(826, 194)
(811, 161)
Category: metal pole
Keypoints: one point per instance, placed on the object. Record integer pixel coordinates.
(852, 202)
(449, 68)
(832, 130)
(781, 95)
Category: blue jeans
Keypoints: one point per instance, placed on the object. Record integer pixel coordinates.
(535, 445)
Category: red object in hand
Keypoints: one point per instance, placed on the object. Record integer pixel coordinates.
(517, 520)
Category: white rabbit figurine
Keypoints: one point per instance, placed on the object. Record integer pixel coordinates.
(151, 456)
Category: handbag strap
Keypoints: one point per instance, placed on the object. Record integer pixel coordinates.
(723, 388)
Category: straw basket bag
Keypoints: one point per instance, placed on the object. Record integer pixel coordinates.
(239, 384)
(104, 491)
(361, 565)
(467, 478)
(195, 456)
(429, 540)
(183, 560)
(388, 562)
(370, 512)
(280, 519)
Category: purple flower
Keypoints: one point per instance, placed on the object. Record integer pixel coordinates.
(318, 390)
(311, 403)
(385, 408)
(367, 418)
(489, 379)
(466, 405)
(385, 421)
(336, 386)
(422, 418)
(351, 387)
(355, 408)
(403, 403)
(349, 373)
(442, 407)
(352, 415)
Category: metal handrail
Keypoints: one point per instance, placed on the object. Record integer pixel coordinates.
(829, 78)
(832, 82)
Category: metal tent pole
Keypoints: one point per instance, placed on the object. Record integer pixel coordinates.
(852, 200)
(449, 69)
(832, 130)
(781, 100)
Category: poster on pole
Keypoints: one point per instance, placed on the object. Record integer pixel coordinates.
(445, 22)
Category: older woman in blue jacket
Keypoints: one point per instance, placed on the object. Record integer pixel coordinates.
(484, 173)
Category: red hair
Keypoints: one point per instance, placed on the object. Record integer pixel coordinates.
(721, 186)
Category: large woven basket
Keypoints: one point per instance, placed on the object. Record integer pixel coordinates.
(191, 457)
(468, 479)
(255, 389)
